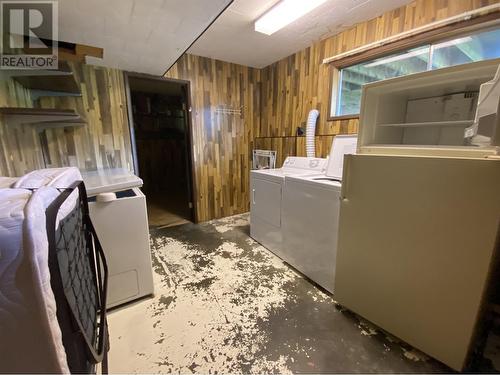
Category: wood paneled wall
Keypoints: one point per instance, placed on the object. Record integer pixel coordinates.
(20, 149)
(222, 142)
(103, 142)
(274, 101)
(294, 85)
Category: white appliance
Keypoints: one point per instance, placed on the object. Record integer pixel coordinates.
(311, 206)
(265, 202)
(428, 113)
(118, 211)
(420, 212)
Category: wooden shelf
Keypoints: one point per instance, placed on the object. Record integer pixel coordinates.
(61, 80)
(461, 123)
(57, 83)
(64, 70)
(16, 116)
(62, 124)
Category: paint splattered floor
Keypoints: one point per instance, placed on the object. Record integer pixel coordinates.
(225, 304)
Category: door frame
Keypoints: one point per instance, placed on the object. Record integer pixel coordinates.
(189, 123)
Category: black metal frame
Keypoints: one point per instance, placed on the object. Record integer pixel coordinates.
(83, 352)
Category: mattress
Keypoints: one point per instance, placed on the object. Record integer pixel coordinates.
(28, 321)
(55, 177)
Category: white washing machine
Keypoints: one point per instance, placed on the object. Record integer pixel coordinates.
(310, 217)
(265, 201)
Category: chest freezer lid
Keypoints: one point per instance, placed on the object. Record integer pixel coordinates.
(341, 145)
(109, 180)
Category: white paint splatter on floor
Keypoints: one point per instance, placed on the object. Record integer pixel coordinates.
(415, 355)
(225, 304)
(228, 223)
(202, 307)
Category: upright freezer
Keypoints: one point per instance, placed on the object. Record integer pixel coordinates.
(420, 208)
(417, 238)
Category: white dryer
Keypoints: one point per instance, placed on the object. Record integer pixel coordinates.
(310, 217)
(265, 201)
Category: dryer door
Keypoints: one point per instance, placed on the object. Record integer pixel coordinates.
(266, 201)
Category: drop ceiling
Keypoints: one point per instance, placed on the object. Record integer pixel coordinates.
(232, 37)
(145, 36)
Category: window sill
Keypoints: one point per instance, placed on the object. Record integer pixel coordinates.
(344, 117)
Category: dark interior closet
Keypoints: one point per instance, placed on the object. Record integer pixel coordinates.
(161, 124)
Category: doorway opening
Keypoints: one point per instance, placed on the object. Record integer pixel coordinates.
(161, 137)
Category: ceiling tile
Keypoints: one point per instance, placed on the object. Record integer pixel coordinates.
(157, 30)
(233, 38)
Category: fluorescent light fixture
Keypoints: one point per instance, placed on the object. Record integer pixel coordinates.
(284, 13)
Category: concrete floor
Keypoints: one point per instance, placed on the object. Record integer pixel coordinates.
(225, 304)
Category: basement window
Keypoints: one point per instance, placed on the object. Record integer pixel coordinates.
(462, 50)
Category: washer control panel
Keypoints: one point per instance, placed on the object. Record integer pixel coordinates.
(305, 164)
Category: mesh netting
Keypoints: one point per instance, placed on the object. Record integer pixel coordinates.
(75, 255)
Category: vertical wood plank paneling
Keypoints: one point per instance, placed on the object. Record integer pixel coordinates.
(323, 145)
(274, 102)
(20, 147)
(296, 84)
(103, 142)
(222, 142)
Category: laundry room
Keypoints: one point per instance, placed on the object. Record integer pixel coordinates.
(250, 186)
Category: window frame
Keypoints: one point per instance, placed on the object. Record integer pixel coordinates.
(385, 50)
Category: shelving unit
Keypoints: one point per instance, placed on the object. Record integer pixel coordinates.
(158, 117)
(60, 81)
(44, 117)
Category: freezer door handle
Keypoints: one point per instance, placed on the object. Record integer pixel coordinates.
(345, 178)
(253, 196)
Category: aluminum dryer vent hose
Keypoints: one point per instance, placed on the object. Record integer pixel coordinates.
(310, 133)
